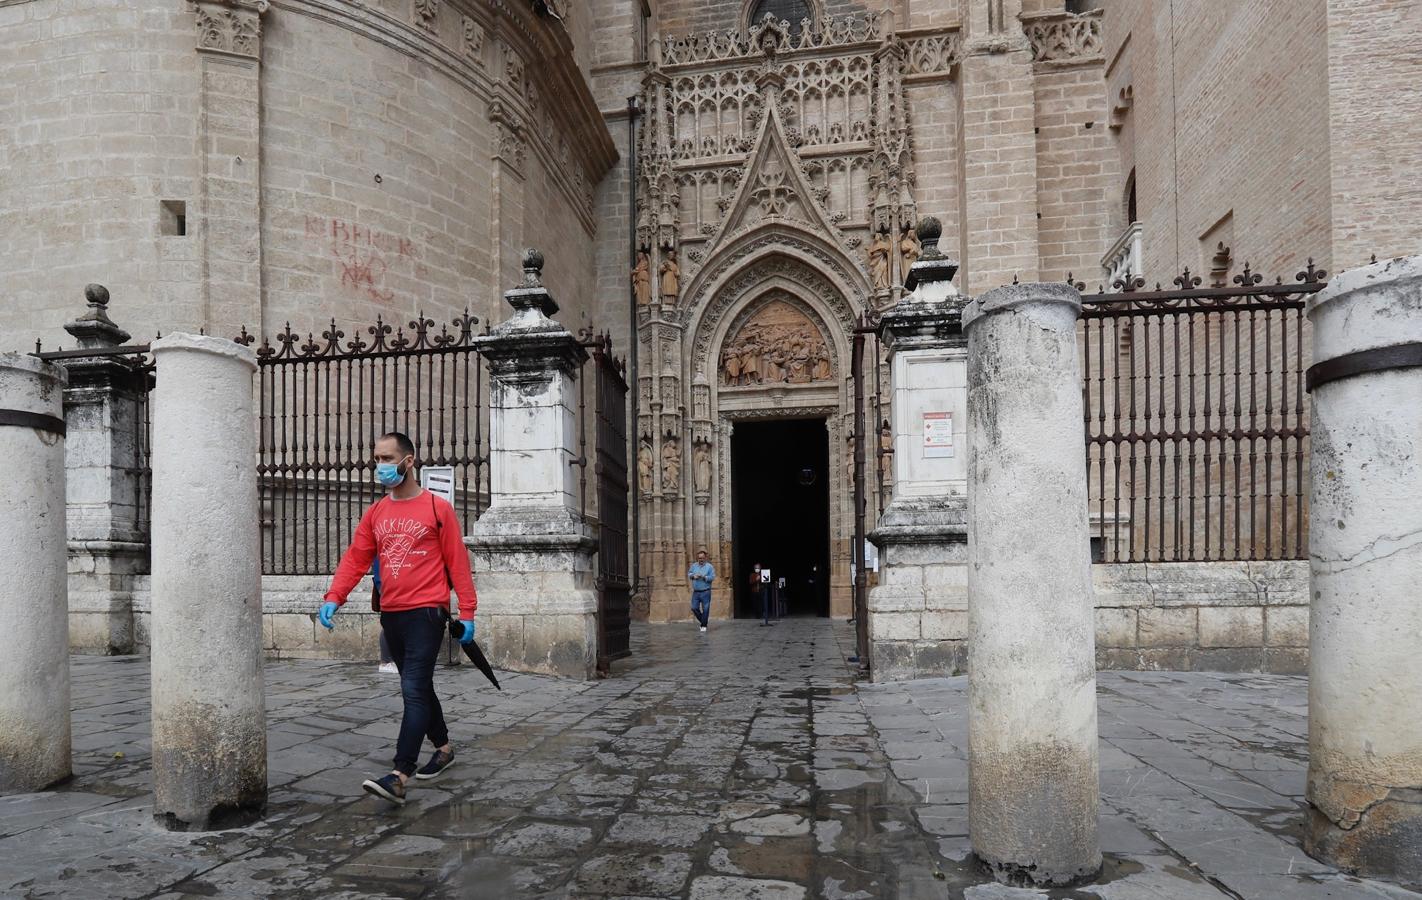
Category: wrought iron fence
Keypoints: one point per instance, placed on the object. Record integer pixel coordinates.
(1196, 422)
(321, 406)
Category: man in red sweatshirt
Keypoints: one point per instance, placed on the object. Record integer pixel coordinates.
(422, 556)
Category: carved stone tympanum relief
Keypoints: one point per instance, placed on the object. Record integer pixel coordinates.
(778, 344)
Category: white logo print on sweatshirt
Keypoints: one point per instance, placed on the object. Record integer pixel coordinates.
(396, 539)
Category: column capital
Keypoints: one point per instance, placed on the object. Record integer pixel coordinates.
(231, 26)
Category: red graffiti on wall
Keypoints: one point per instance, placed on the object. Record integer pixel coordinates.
(363, 255)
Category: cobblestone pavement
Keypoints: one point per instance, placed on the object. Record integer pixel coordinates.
(740, 764)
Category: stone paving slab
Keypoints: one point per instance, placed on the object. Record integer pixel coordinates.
(745, 763)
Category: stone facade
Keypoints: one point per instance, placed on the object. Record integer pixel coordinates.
(237, 163)
(785, 163)
(233, 163)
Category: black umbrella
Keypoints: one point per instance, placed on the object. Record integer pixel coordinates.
(471, 650)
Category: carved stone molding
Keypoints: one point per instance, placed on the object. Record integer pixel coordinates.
(508, 136)
(932, 54)
(427, 15)
(1065, 38)
(771, 38)
(231, 26)
(472, 41)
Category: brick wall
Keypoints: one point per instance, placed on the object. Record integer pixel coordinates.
(999, 171)
(1374, 128)
(378, 194)
(338, 242)
(933, 120)
(1076, 170)
(1225, 119)
(98, 105)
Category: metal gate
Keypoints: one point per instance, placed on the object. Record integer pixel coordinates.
(1197, 433)
(614, 583)
(321, 404)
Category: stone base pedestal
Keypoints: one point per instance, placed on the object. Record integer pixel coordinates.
(102, 578)
(537, 598)
(918, 613)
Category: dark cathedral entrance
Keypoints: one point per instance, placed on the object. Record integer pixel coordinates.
(780, 512)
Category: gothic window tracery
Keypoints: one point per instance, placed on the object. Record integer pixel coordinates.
(796, 12)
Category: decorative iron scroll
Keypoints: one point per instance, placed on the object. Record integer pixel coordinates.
(422, 337)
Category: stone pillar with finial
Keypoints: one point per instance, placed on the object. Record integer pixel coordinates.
(918, 613)
(104, 413)
(533, 553)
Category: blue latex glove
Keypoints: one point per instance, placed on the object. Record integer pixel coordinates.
(468, 634)
(328, 609)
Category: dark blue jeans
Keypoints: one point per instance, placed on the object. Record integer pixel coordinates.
(415, 636)
(701, 606)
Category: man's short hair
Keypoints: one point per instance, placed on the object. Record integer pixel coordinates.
(402, 440)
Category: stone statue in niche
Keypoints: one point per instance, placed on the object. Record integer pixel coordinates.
(701, 465)
(778, 344)
(849, 460)
(642, 279)
(909, 248)
(879, 252)
(671, 464)
(671, 274)
(644, 466)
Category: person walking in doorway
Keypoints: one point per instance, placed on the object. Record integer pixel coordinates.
(760, 590)
(701, 573)
(422, 555)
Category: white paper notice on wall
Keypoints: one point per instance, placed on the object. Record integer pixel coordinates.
(937, 435)
(439, 480)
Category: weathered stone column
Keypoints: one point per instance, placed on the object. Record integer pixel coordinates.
(1365, 553)
(918, 613)
(1032, 758)
(108, 540)
(34, 665)
(533, 553)
(209, 716)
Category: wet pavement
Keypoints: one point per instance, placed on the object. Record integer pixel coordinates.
(740, 764)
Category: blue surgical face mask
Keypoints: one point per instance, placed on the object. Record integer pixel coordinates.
(389, 474)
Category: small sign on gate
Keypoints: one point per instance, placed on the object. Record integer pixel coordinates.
(438, 480)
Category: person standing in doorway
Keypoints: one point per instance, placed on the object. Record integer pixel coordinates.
(760, 590)
(701, 573)
(422, 556)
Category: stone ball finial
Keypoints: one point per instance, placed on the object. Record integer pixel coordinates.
(97, 295)
(532, 267)
(929, 231)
